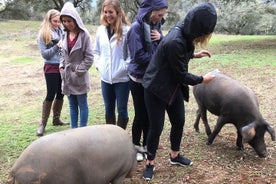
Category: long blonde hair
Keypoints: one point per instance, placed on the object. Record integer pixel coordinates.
(46, 26)
(121, 18)
(202, 41)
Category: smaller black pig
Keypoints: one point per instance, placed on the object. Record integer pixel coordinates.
(233, 103)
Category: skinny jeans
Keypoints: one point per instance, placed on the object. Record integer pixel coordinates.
(112, 93)
(53, 84)
(156, 108)
(78, 106)
(140, 122)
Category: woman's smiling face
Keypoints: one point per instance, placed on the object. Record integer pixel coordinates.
(157, 15)
(110, 14)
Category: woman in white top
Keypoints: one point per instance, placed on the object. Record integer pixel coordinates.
(110, 62)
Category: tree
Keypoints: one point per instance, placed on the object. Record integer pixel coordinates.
(234, 16)
(14, 10)
(26, 9)
(249, 17)
(131, 7)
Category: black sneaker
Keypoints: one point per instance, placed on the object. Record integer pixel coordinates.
(180, 160)
(148, 172)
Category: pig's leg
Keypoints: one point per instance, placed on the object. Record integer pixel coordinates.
(239, 141)
(205, 121)
(219, 125)
(198, 114)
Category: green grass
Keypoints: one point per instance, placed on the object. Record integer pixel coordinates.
(221, 39)
(22, 90)
(22, 60)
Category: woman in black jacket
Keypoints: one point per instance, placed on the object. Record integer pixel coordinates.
(167, 78)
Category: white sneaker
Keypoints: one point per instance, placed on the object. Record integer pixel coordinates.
(139, 157)
(145, 149)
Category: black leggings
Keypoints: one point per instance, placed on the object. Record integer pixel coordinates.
(53, 84)
(141, 121)
(156, 108)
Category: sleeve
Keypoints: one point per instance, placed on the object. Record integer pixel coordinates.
(96, 49)
(61, 62)
(178, 58)
(88, 57)
(136, 46)
(47, 51)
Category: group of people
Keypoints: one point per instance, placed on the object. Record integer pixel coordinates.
(134, 58)
(68, 55)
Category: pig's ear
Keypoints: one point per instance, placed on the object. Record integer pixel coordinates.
(271, 132)
(248, 132)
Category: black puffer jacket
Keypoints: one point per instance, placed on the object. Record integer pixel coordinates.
(168, 69)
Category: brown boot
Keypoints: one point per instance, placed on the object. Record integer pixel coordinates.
(110, 120)
(57, 106)
(46, 109)
(122, 122)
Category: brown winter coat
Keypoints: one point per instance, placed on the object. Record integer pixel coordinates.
(75, 78)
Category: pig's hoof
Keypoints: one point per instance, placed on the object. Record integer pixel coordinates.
(208, 143)
(196, 128)
(208, 132)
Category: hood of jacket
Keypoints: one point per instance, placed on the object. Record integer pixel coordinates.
(69, 10)
(148, 6)
(199, 21)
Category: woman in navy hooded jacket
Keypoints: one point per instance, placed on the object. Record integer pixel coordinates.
(143, 39)
(167, 78)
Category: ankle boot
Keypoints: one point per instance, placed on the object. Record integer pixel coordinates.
(122, 122)
(46, 108)
(57, 106)
(110, 120)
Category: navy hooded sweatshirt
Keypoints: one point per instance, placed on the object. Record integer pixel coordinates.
(140, 46)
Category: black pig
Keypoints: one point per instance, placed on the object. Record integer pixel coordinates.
(233, 103)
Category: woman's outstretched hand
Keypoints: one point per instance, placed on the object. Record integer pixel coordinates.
(202, 53)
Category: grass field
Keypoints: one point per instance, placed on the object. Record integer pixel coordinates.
(249, 59)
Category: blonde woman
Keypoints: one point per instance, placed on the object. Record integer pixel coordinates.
(167, 78)
(110, 62)
(49, 42)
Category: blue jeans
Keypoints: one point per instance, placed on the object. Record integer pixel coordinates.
(78, 103)
(115, 92)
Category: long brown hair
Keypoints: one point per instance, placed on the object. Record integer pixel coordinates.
(121, 18)
(46, 26)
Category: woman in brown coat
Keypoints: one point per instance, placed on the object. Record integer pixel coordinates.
(76, 60)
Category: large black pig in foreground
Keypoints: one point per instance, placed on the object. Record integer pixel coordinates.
(99, 154)
(233, 103)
